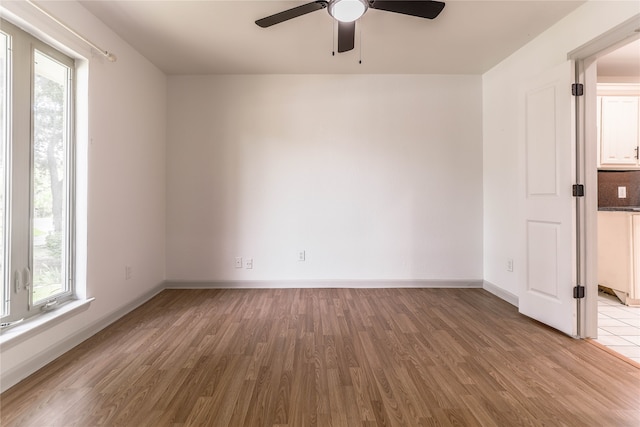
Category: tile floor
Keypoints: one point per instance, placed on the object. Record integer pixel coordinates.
(619, 326)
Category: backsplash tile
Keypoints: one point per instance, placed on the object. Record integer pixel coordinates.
(608, 183)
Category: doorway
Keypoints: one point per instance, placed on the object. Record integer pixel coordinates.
(618, 176)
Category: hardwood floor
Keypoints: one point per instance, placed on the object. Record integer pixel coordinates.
(328, 357)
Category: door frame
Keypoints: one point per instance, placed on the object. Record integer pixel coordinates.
(585, 58)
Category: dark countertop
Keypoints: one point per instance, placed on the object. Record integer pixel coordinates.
(620, 209)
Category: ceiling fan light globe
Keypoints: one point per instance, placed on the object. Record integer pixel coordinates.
(347, 10)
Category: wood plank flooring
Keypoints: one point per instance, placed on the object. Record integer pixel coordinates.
(328, 357)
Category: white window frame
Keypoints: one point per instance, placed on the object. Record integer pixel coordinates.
(6, 154)
(20, 181)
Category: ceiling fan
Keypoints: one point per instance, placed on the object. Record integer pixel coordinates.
(346, 12)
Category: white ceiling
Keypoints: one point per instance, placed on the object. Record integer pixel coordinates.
(220, 37)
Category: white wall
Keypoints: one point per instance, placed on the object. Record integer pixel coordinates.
(503, 179)
(122, 151)
(376, 177)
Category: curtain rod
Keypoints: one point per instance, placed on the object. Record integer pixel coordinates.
(109, 55)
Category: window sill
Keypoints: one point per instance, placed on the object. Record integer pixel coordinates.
(29, 328)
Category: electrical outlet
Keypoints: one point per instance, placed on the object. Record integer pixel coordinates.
(301, 256)
(248, 263)
(622, 192)
(128, 272)
(510, 264)
(238, 262)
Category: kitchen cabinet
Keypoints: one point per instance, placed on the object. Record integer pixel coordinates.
(619, 132)
(619, 254)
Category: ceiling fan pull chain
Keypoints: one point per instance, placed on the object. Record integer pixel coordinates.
(333, 37)
(360, 41)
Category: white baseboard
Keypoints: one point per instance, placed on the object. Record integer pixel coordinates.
(32, 364)
(283, 284)
(500, 293)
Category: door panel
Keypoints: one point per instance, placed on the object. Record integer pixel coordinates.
(548, 206)
(541, 142)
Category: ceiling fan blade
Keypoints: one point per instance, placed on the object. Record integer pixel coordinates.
(421, 8)
(291, 13)
(346, 35)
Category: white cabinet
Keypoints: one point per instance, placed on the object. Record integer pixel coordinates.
(619, 254)
(619, 131)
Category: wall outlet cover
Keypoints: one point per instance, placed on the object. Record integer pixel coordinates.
(622, 192)
(510, 264)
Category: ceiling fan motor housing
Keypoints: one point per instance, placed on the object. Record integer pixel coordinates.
(347, 10)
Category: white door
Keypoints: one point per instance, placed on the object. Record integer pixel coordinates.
(549, 209)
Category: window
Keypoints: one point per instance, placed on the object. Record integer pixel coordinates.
(36, 175)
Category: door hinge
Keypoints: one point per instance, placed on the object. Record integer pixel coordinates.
(578, 292)
(578, 190)
(577, 89)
